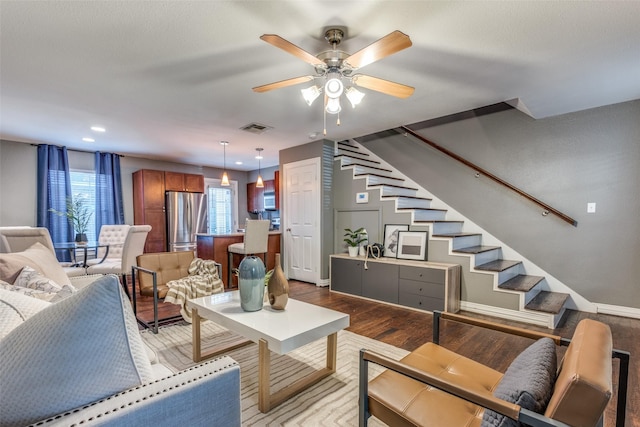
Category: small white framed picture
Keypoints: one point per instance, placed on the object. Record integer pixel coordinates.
(362, 197)
(391, 238)
(412, 245)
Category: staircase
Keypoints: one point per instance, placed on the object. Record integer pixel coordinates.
(537, 303)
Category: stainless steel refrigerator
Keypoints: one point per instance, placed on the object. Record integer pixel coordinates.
(186, 216)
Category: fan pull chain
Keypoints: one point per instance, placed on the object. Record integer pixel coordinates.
(324, 118)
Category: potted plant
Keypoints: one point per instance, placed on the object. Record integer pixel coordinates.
(353, 238)
(79, 215)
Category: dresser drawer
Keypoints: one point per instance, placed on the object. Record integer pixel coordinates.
(421, 302)
(421, 288)
(422, 274)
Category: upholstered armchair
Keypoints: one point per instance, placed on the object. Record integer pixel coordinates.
(175, 277)
(433, 386)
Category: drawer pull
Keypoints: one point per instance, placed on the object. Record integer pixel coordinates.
(420, 289)
(420, 275)
(419, 302)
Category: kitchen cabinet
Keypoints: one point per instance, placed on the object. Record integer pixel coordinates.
(255, 195)
(149, 187)
(255, 198)
(276, 185)
(419, 285)
(148, 207)
(176, 181)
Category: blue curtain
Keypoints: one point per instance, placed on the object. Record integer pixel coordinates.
(109, 205)
(54, 189)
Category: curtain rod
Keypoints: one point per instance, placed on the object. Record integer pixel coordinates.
(76, 150)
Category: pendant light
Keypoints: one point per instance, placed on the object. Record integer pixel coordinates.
(225, 178)
(260, 182)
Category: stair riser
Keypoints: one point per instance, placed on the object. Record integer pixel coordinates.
(466, 241)
(488, 256)
(447, 227)
(412, 203)
(528, 296)
(421, 215)
(373, 180)
(393, 191)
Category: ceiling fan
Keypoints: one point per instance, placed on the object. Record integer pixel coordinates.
(338, 67)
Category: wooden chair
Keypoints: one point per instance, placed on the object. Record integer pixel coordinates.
(435, 386)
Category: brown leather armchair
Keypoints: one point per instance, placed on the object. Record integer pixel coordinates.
(433, 386)
(152, 273)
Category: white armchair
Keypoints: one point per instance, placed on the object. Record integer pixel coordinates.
(132, 247)
(113, 235)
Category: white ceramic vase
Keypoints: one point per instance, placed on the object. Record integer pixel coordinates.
(353, 251)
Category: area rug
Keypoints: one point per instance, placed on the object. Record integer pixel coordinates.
(331, 402)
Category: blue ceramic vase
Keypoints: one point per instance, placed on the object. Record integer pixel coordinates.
(251, 283)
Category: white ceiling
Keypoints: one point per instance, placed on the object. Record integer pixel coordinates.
(170, 79)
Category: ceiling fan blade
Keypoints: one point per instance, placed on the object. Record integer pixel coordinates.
(282, 83)
(384, 86)
(388, 45)
(291, 48)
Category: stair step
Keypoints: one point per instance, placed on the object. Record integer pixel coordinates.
(452, 235)
(400, 187)
(476, 249)
(353, 151)
(347, 144)
(377, 174)
(521, 283)
(408, 197)
(351, 157)
(548, 302)
(498, 265)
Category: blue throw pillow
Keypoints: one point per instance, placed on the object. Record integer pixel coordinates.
(528, 382)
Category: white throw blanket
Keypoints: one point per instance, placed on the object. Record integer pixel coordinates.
(202, 280)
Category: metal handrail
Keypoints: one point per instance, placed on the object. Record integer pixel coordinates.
(547, 209)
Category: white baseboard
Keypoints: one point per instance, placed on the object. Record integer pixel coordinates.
(617, 310)
(323, 283)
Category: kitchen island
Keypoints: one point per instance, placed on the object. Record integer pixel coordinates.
(214, 246)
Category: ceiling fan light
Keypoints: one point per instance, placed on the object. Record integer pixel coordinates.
(333, 106)
(354, 96)
(310, 94)
(333, 88)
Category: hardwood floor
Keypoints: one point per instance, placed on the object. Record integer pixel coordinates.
(408, 329)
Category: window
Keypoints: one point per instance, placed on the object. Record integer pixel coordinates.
(83, 185)
(222, 205)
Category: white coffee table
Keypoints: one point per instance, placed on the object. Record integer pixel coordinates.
(279, 331)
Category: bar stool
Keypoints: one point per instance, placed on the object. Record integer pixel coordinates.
(256, 237)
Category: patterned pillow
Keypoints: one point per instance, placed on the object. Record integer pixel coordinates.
(79, 350)
(528, 382)
(30, 282)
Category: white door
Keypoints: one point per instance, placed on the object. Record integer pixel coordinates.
(302, 220)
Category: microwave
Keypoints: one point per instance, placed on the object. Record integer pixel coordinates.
(270, 201)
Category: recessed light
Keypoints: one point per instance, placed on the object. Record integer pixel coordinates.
(98, 129)
(88, 139)
(238, 163)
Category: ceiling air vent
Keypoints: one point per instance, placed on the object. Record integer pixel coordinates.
(256, 128)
